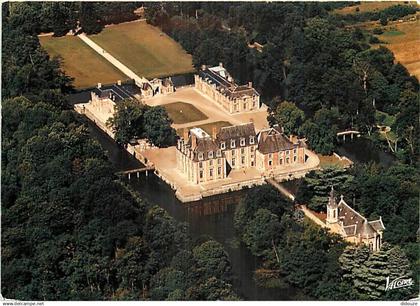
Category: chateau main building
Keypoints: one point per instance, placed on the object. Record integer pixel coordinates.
(217, 83)
(204, 158)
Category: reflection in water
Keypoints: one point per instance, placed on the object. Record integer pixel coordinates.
(210, 217)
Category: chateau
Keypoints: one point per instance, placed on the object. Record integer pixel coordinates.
(352, 226)
(216, 83)
(203, 158)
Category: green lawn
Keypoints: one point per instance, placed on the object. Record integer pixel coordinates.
(144, 49)
(79, 61)
(181, 112)
(393, 33)
(208, 127)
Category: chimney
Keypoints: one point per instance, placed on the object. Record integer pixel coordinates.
(250, 84)
(203, 67)
(99, 85)
(193, 141)
(221, 65)
(185, 135)
(214, 132)
(119, 82)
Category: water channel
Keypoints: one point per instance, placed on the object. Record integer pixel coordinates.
(203, 220)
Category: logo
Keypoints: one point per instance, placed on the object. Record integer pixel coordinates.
(398, 283)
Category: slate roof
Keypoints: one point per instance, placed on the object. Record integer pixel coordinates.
(116, 92)
(378, 225)
(354, 223)
(225, 83)
(203, 144)
(272, 140)
(237, 132)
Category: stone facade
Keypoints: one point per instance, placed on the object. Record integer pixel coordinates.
(352, 226)
(157, 87)
(204, 158)
(199, 157)
(216, 83)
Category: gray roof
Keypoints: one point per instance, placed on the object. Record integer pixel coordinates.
(116, 92)
(353, 223)
(237, 132)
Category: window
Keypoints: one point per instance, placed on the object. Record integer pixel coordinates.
(287, 160)
(200, 164)
(243, 160)
(252, 163)
(294, 158)
(270, 155)
(200, 156)
(242, 150)
(251, 139)
(252, 149)
(222, 145)
(242, 142)
(232, 143)
(294, 151)
(211, 154)
(233, 161)
(270, 163)
(218, 153)
(219, 161)
(287, 152)
(219, 171)
(211, 172)
(201, 174)
(211, 162)
(281, 161)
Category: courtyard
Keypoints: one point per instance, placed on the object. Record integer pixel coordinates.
(144, 49)
(81, 62)
(213, 112)
(181, 112)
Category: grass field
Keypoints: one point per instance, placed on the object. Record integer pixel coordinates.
(181, 112)
(327, 161)
(207, 127)
(404, 41)
(144, 49)
(368, 7)
(79, 61)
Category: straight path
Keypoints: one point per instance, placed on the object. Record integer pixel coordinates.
(123, 68)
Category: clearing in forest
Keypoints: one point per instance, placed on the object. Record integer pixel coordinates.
(368, 6)
(144, 49)
(403, 40)
(81, 62)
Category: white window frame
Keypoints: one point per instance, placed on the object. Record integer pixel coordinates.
(222, 145)
(251, 139)
(242, 142)
(232, 143)
(200, 156)
(210, 154)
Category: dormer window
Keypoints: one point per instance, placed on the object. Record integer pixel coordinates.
(242, 142)
(200, 156)
(251, 139)
(218, 153)
(222, 145)
(232, 143)
(211, 154)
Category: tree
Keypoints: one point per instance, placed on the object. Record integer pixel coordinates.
(212, 260)
(289, 116)
(157, 127)
(261, 233)
(127, 122)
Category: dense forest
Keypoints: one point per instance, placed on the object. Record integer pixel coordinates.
(71, 230)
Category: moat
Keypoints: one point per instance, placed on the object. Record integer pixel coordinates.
(212, 217)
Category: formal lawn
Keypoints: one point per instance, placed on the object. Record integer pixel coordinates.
(79, 61)
(144, 49)
(181, 112)
(208, 127)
